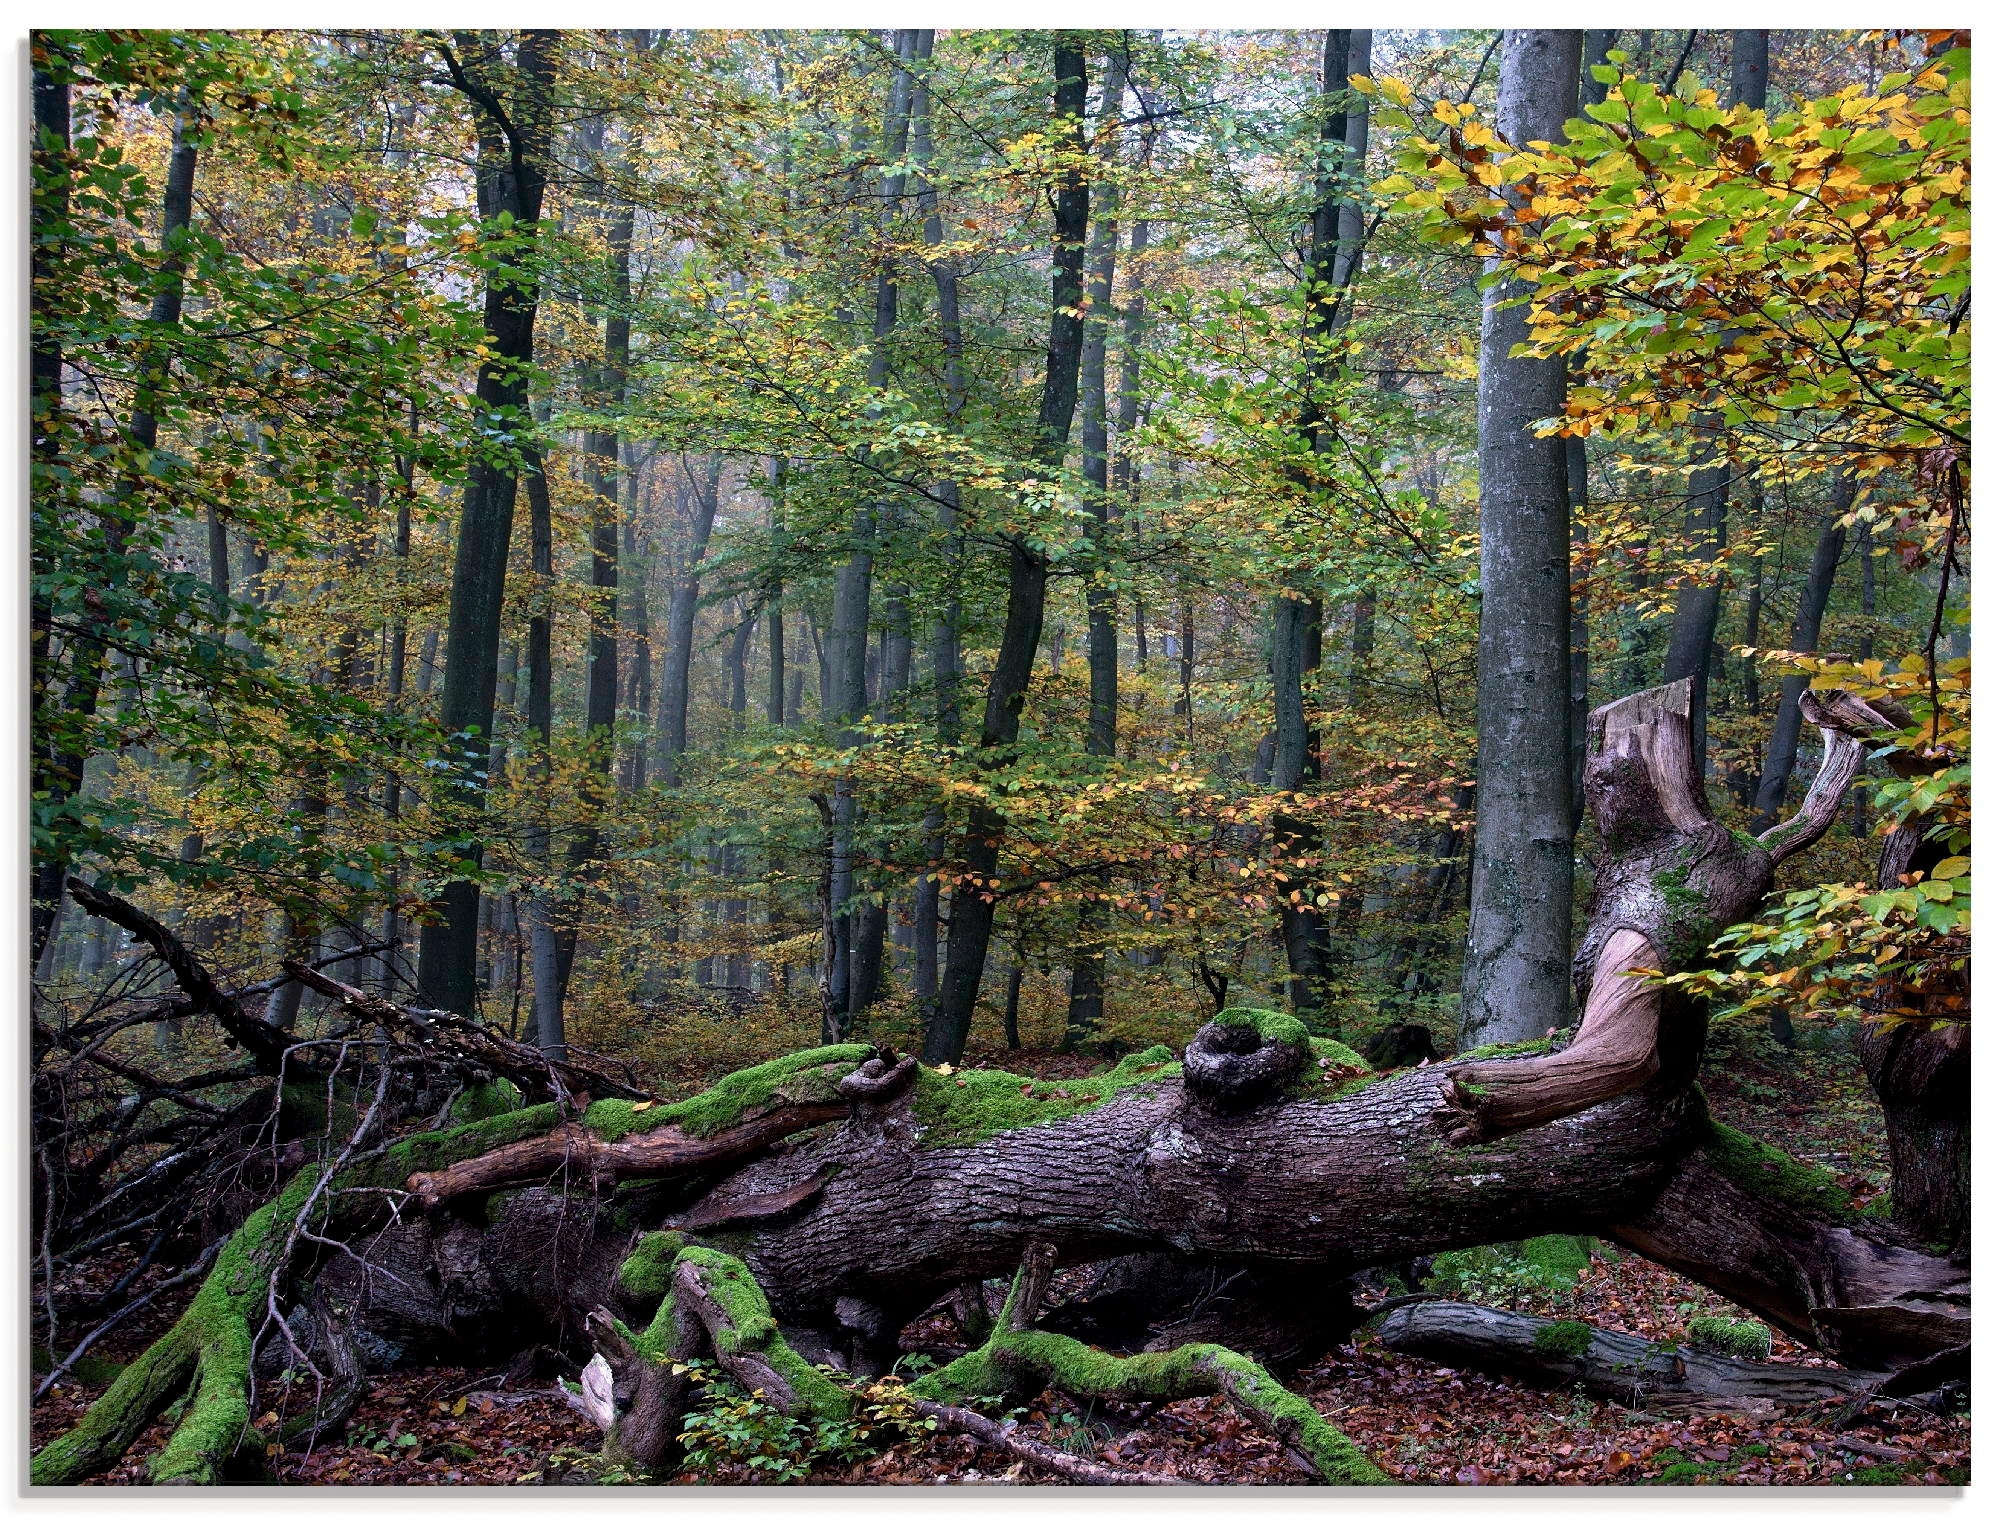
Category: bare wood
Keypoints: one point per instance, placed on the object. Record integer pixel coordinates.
(771, 1206)
(1844, 721)
(578, 1153)
(581, 1077)
(1616, 1051)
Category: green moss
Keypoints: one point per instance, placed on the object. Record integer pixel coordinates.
(430, 1150)
(1186, 1372)
(209, 1345)
(484, 1101)
(810, 1076)
(1763, 1169)
(1343, 1058)
(1567, 1338)
(752, 1328)
(965, 1107)
(648, 1273)
(1271, 1025)
(1559, 1258)
(1732, 1338)
(1535, 1048)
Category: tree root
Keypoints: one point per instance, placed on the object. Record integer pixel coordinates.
(1003, 1436)
(1017, 1356)
(209, 1347)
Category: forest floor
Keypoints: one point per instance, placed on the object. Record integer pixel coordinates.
(1422, 1423)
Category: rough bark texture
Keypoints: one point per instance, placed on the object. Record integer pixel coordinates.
(1517, 950)
(846, 1191)
(1629, 1369)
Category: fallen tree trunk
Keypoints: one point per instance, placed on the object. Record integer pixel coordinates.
(848, 1191)
(1610, 1364)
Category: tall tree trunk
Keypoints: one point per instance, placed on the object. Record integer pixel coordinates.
(1783, 754)
(546, 963)
(1517, 951)
(1086, 983)
(774, 698)
(635, 598)
(849, 992)
(1297, 614)
(944, 642)
(513, 127)
(973, 903)
(683, 602)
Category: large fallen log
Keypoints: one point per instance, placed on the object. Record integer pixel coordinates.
(1269, 1152)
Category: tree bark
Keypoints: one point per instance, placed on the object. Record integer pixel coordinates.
(513, 128)
(1516, 959)
(1782, 755)
(683, 602)
(1027, 584)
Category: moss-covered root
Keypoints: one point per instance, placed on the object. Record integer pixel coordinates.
(1017, 1353)
(721, 1298)
(210, 1346)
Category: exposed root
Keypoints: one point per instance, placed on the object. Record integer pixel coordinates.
(1017, 1355)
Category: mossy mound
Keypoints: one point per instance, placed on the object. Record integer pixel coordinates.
(1270, 1025)
(484, 1101)
(807, 1077)
(968, 1105)
(1566, 1338)
(1732, 1338)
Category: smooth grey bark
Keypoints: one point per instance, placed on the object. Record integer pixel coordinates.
(1027, 575)
(546, 959)
(513, 124)
(704, 495)
(635, 611)
(1783, 754)
(1749, 68)
(1517, 959)
(1576, 461)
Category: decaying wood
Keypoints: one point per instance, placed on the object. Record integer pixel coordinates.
(1611, 1364)
(1006, 1438)
(1670, 878)
(478, 1047)
(579, 1155)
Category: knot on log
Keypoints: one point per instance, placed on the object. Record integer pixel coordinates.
(1243, 1059)
(880, 1079)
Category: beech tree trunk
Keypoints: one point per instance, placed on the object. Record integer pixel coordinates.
(1517, 946)
(512, 109)
(1027, 583)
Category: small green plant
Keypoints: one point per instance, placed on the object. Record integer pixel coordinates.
(1732, 1338)
(732, 1433)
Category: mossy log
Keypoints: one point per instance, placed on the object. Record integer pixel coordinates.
(852, 1191)
(1609, 1364)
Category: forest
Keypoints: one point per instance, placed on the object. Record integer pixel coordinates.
(1049, 757)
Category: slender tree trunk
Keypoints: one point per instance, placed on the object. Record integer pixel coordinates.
(63, 748)
(1517, 952)
(944, 641)
(849, 991)
(1027, 579)
(635, 598)
(682, 605)
(545, 955)
(1576, 460)
(513, 131)
(1782, 755)
(1086, 983)
(774, 698)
